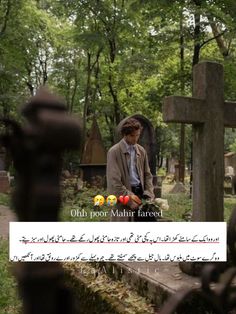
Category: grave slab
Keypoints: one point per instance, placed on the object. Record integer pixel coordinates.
(156, 281)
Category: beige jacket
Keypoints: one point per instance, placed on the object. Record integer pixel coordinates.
(118, 172)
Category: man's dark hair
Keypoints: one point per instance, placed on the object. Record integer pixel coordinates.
(130, 126)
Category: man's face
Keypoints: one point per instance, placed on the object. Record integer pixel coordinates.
(132, 138)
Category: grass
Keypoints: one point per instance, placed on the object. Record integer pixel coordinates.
(82, 202)
(229, 205)
(4, 199)
(79, 206)
(9, 301)
(181, 204)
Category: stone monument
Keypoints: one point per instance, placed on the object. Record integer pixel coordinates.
(93, 161)
(209, 114)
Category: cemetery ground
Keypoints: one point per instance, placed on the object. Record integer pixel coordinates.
(81, 202)
(99, 283)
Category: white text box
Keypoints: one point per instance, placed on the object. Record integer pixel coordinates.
(118, 241)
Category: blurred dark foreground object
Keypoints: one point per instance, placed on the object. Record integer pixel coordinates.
(217, 294)
(36, 148)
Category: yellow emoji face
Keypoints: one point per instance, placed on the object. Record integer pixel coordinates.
(98, 200)
(111, 200)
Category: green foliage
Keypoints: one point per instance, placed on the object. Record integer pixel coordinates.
(230, 140)
(4, 199)
(233, 146)
(181, 204)
(111, 59)
(161, 172)
(79, 205)
(9, 302)
(229, 205)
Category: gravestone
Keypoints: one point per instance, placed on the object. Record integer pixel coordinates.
(93, 161)
(230, 161)
(229, 185)
(148, 141)
(172, 162)
(179, 186)
(208, 113)
(229, 180)
(229, 171)
(4, 182)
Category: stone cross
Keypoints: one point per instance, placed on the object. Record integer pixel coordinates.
(208, 113)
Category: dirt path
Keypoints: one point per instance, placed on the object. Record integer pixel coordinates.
(6, 215)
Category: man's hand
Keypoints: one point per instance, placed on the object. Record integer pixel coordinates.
(136, 199)
(134, 202)
(133, 205)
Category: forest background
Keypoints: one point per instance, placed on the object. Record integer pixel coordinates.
(114, 58)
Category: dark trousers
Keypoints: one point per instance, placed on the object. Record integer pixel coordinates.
(137, 190)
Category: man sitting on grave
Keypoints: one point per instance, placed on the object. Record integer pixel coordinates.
(128, 174)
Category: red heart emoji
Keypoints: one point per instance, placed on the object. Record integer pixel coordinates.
(124, 199)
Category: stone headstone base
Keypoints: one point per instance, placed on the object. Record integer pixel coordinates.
(96, 292)
(178, 188)
(4, 182)
(153, 280)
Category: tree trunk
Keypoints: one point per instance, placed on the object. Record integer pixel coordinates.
(115, 100)
(182, 127)
(5, 18)
(96, 76)
(219, 40)
(197, 33)
(113, 92)
(74, 91)
(87, 95)
(111, 128)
